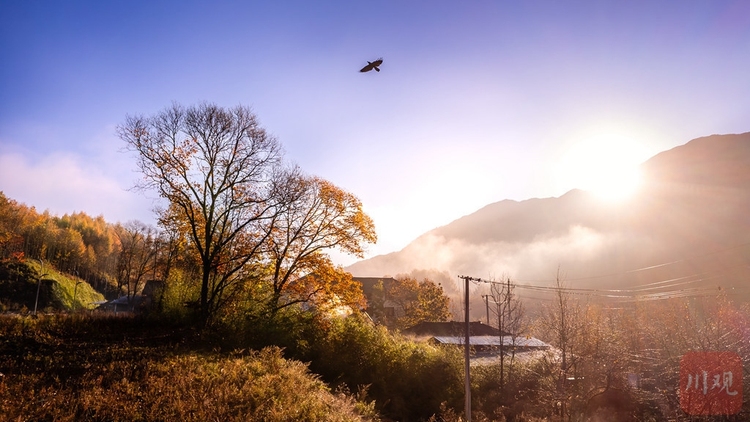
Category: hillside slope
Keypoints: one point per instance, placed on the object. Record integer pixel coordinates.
(19, 283)
(688, 228)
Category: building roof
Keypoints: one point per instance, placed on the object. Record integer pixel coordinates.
(451, 329)
(368, 283)
(493, 341)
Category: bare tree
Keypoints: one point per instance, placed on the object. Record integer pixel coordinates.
(136, 257)
(563, 322)
(510, 321)
(216, 167)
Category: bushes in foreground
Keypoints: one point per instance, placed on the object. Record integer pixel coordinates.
(407, 380)
(81, 367)
(46, 376)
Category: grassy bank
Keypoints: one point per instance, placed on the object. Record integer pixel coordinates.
(66, 292)
(19, 283)
(72, 368)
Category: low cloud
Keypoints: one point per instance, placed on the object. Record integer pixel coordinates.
(578, 252)
(538, 258)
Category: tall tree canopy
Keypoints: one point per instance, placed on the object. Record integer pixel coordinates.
(11, 242)
(216, 167)
(320, 216)
(420, 300)
(137, 257)
(245, 214)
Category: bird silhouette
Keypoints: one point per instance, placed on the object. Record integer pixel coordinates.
(372, 65)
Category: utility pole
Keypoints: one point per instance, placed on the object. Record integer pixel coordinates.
(39, 285)
(508, 297)
(487, 307)
(467, 346)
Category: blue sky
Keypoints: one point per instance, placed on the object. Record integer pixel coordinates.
(477, 101)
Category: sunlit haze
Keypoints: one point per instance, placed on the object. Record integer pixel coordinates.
(475, 102)
(605, 164)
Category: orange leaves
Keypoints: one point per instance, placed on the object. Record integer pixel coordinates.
(420, 301)
(327, 286)
(231, 196)
(316, 217)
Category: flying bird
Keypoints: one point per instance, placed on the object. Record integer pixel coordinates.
(372, 65)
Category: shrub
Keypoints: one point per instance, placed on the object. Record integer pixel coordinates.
(17, 285)
(52, 370)
(178, 292)
(407, 380)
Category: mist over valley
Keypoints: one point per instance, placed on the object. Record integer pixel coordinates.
(685, 232)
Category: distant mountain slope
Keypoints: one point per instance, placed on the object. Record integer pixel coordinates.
(690, 222)
(718, 160)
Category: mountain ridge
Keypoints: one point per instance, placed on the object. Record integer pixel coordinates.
(693, 203)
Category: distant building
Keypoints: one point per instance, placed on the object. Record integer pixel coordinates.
(486, 341)
(450, 329)
(121, 304)
(147, 298)
(491, 344)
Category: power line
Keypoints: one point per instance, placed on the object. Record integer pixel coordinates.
(664, 289)
(635, 296)
(652, 286)
(651, 267)
(675, 287)
(467, 345)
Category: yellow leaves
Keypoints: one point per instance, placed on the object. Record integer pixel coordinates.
(230, 194)
(420, 300)
(326, 285)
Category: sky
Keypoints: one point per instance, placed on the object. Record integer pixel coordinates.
(476, 101)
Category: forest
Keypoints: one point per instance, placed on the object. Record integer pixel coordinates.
(245, 316)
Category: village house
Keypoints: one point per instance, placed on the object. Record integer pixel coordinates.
(486, 342)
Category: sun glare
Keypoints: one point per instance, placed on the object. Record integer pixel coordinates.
(606, 165)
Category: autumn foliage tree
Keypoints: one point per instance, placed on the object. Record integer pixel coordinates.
(250, 221)
(11, 242)
(216, 167)
(420, 301)
(137, 258)
(316, 217)
(74, 243)
(328, 287)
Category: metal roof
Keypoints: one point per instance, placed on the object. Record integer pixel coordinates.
(493, 341)
(450, 328)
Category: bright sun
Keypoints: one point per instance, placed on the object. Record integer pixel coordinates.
(605, 165)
